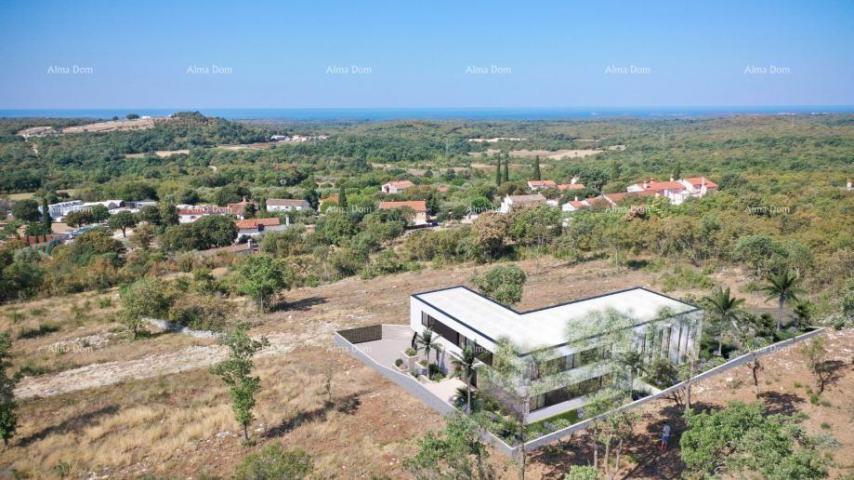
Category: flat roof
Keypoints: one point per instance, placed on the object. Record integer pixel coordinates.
(544, 327)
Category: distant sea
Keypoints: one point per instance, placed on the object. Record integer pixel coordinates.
(380, 114)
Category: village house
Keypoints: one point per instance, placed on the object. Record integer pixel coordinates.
(255, 227)
(239, 209)
(191, 213)
(417, 206)
(287, 205)
(396, 186)
(535, 185)
(575, 205)
(675, 191)
(514, 201)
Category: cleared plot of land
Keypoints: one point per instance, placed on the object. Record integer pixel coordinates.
(156, 409)
(552, 154)
(114, 125)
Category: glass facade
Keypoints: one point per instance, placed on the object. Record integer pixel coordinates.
(455, 337)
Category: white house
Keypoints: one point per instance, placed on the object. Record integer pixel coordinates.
(59, 210)
(575, 205)
(675, 191)
(660, 327)
(191, 213)
(287, 205)
(698, 186)
(396, 186)
(541, 184)
(255, 227)
(512, 201)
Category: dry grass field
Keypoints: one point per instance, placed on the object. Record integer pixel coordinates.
(180, 424)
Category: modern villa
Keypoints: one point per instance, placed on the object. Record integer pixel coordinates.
(463, 317)
(564, 350)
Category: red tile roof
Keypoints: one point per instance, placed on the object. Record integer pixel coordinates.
(400, 184)
(541, 183)
(656, 186)
(250, 223)
(416, 205)
(571, 186)
(697, 182)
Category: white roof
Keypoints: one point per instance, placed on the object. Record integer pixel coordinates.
(544, 327)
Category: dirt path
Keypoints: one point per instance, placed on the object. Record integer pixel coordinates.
(109, 373)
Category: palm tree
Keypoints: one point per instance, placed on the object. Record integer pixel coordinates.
(724, 308)
(784, 287)
(427, 341)
(464, 370)
(632, 361)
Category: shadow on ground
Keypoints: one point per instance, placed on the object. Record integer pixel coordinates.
(70, 425)
(347, 405)
(303, 304)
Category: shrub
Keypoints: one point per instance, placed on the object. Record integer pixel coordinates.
(42, 329)
(503, 284)
(579, 472)
(273, 463)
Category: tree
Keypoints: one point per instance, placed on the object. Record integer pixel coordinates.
(132, 116)
(261, 277)
(432, 203)
(142, 236)
(741, 438)
(537, 175)
(464, 370)
(312, 197)
(783, 286)
(632, 361)
(427, 342)
(506, 168)
(26, 211)
(150, 214)
(503, 283)
(122, 221)
(8, 406)
(250, 210)
(47, 221)
(79, 218)
(147, 297)
(724, 311)
(275, 463)
(236, 372)
(498, 175)
(168, 214)
(490, 233)
(99, 213)
(456, 453)
(342, 199)
(814, 352)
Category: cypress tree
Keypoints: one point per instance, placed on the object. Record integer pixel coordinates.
(498, 173)
(46, 220)
(342, 198)
(537, 174)
(507, 169)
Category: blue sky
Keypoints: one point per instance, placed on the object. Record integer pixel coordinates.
(187, 54)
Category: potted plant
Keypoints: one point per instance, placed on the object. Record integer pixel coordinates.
(400, 365)
(409, 357)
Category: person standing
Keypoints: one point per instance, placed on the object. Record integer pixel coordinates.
(665, 438)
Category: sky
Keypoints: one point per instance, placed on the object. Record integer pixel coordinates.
(404, 54)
